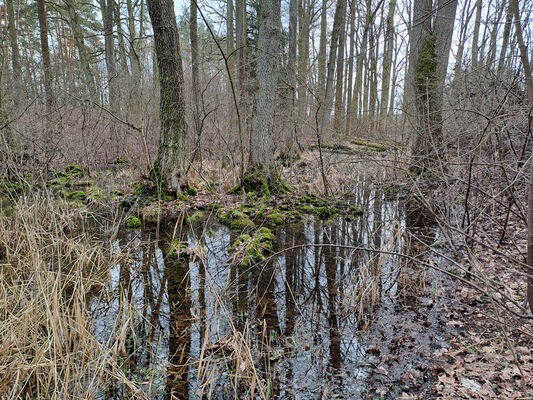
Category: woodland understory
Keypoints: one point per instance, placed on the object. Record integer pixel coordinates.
(266, 199)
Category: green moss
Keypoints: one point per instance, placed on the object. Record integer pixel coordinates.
(116, 193)
(59, 182)
(426, 67)
(326, 212)
(236, 219)
(196, 217)
(212, 207)
(122, 160)
(76, 195)
(356, 210)
(190, 190)
(248, 250)
(10, 188)
(132, 222)
(176, 248)
(76, 170)
(263, 186)
(370, 145)
(275, 218)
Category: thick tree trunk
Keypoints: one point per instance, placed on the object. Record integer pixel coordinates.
(268, 43)
(171, 154)
(45, 55)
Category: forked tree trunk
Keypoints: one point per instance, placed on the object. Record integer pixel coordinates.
(268, 42)
(171, 153)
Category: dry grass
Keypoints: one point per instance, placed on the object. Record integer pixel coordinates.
(49, 268)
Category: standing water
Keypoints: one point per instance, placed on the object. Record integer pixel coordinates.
(202, 326)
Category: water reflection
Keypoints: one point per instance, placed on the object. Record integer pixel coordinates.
(297, 316)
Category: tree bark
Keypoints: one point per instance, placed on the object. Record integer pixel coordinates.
(45, 55)
(349, 86)
(322, 51)
(475, 36)
(15, 52)
(387, 58)
(339, 104)
(195, 76)
(335, 35)
(79, 41)
(505, 38)
(268, 47)
(173, 131)
(291, 75)
(524, 57)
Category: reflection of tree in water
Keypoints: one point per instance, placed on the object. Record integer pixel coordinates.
(419, 236)
(179, 340)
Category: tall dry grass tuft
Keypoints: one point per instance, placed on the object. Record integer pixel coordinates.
(50, 266)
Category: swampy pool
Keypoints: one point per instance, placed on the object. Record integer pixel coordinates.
(289, 327)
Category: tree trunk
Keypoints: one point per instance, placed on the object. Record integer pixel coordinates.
(268, 45)
(387, 58)
(240, 36)
(171, 153)
(349, 86)
(339, 104)
(230, 37)
(79, 40)
(322, 51)
(475, 36)
(304, 17)
(338, 24)
(291, 75)
(505, 39)
(45, 56)
(195, 76)
(15, 53)
(524, 57)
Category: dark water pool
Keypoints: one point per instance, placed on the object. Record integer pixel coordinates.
(288, 328)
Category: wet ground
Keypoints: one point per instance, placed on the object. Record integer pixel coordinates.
(336, 311)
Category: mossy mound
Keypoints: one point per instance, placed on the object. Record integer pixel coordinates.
(260, 185)
(251, 249)
(60, 182)
(11, 188)
(76, 195)
(370, 145)
(122, 160)
(196, 217)
(76, 170)
(236, 219)
(132, 222)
